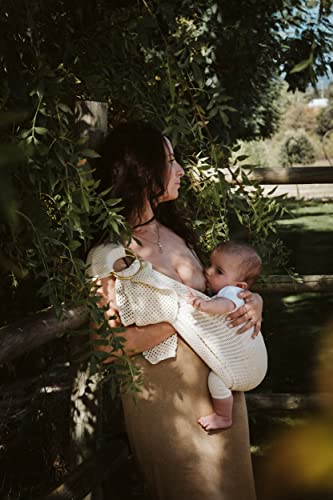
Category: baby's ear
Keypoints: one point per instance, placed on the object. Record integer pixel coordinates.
(242, 284)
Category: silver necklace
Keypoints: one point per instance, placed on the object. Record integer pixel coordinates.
(157, 243)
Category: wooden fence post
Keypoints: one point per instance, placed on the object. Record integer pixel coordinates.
(86, 396)
(92, 121)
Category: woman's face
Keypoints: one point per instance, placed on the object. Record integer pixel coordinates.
(173, 174)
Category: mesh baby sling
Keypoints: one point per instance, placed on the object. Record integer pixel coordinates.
(145, 296)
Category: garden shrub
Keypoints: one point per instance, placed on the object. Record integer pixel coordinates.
(325, 120)
(296, 149)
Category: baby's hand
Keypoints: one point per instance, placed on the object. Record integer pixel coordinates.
(195, 301)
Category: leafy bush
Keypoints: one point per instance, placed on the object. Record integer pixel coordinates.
(257, 152)
(296, 149)
(325, 120)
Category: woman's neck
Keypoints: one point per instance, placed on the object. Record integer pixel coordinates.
(146, 215)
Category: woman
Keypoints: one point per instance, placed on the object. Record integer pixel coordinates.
(178, 458)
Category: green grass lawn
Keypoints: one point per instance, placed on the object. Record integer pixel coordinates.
(307, 230)
(294, 324)
(308, 216)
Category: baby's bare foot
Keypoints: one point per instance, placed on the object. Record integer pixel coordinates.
(214, 422)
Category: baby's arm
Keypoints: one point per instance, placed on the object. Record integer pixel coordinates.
(217, 305)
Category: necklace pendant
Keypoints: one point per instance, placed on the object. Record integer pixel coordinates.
(160, 247)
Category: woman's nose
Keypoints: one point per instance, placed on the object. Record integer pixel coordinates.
(208, 271)
(180, 170)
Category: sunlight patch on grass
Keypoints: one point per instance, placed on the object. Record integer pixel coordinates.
(322, 207)
(291, 299)
(310, 216)
(322, 222)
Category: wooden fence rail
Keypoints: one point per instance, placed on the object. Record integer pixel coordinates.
(286, 402)
(91, 473)
(287, 284)
(294, 175)
(30, 333)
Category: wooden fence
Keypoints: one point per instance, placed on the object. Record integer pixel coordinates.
(30, 333)
(294, 175)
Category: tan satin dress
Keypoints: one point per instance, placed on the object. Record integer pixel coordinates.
(179, 460)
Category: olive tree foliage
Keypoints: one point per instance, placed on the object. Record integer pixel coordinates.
(205, 72)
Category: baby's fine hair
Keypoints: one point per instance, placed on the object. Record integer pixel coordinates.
(251, 265)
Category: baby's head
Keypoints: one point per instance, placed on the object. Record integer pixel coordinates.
(233, 263)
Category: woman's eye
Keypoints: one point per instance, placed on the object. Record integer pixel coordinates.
(218, 271)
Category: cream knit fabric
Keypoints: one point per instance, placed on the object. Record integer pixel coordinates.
(238, 361)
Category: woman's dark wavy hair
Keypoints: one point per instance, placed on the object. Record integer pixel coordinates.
(133, 163)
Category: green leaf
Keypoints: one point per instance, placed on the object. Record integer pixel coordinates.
(90, 153)
(41, 130)
(100, 341)
(242, 157)
(74, 244)
(301, 66)
(65, 108)
(114, 226)
(25, 133)
(85, 202)
(102, 355)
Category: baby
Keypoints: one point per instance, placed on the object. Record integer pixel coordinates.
(145, 296)
(233, 266)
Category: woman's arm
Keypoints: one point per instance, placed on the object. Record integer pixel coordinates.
(138, 339)
(250, 313)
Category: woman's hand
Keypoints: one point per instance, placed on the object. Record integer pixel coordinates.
(250, 313)
(138, 338)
